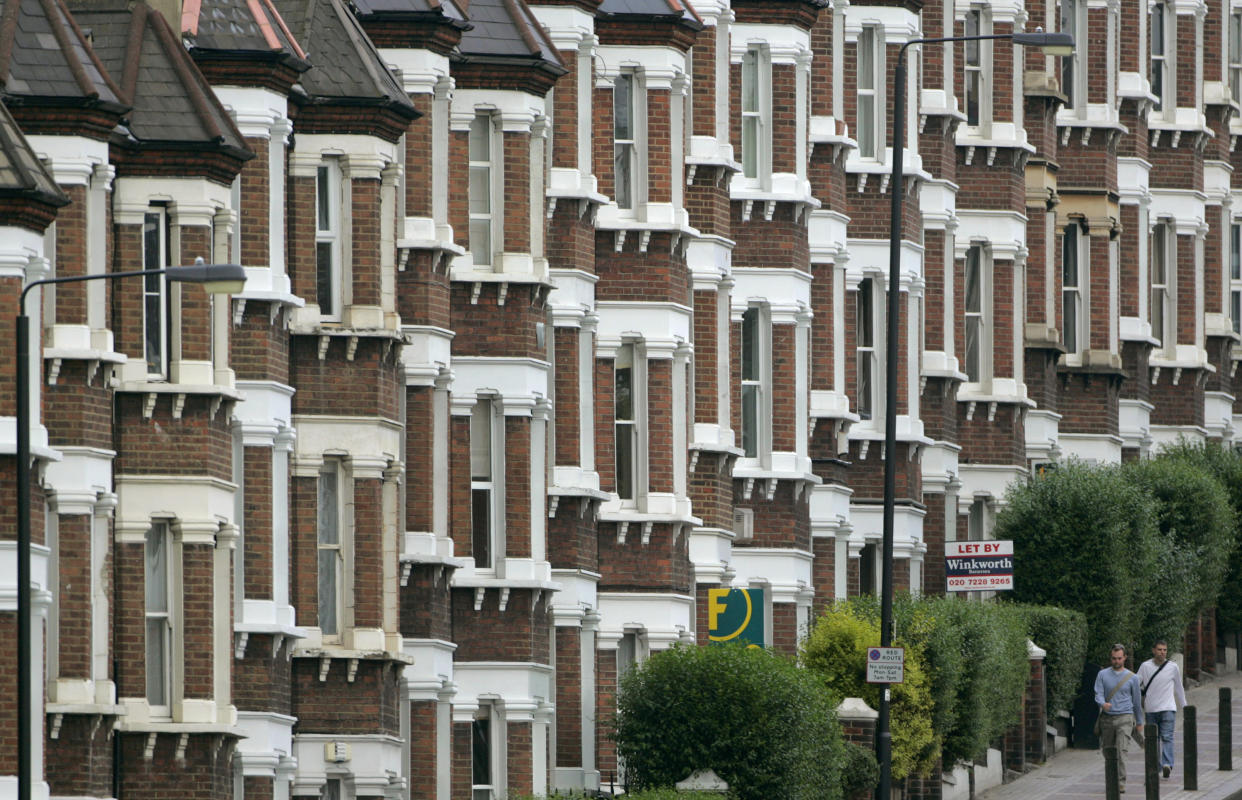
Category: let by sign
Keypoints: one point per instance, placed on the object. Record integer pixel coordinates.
(978, 566)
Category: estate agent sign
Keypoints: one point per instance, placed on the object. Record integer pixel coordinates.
(978, 566)
(736, 615)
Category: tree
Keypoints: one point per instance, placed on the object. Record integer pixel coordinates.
(765, 726)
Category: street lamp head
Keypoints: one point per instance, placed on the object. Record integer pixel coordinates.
(1053, 44)
(216, 278)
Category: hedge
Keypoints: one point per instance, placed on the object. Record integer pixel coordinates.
(836, 650)
(1062, 634)
(1225, 464)
(1084, 538)
(765, 726)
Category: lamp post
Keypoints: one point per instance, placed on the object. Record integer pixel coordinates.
(1052, 44)
(217, 279)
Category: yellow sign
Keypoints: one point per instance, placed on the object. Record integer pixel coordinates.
(736, 615)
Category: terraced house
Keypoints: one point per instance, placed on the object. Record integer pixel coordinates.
(559, 315)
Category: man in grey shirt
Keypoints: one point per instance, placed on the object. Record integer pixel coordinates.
(1120, 699)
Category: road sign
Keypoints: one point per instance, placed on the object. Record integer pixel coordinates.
(886, 664)
(976, 566)
(736, 615)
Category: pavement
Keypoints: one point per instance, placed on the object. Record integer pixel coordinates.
(1079, 774)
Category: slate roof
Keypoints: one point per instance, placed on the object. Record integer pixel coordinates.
(345, 66)
(21, 173)
(652, 8)
(238, 26)
(44, 55)
(507, 29)
(172, 104)
(433, 8)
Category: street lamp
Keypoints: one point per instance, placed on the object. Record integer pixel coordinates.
(1057, 44)
(216, 279)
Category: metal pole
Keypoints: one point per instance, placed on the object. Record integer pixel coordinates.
(25, 770)
(1190, 748)
(1151, 762)
(1226, 729)
(883, 737)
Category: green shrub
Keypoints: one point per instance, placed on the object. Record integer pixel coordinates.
(1198, 523)
(1085, 539)
(665, 793)
(1225, 464)
(765, 726)
(862, 771)
(1062, 633)
(836, 650)
(989, 700)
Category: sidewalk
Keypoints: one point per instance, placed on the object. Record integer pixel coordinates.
(1079, 774)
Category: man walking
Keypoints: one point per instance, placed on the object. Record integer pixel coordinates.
(1121, 710)
(1160, 683)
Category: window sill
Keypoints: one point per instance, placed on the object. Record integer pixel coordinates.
(312, 325)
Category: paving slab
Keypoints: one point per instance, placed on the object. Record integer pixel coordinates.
(1079, 774)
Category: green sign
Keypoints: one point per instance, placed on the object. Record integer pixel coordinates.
(736, 615)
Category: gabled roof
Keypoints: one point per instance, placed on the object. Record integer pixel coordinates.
(433, 8)
(506, 28)
(346, 69)
(21, 173)
(45, 60)
(173, 107)
(239, 26)
(675, 9)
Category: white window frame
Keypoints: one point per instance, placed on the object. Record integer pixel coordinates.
(756, 115)
(487, 424)
(868, 314)
(632, 149)
(755, 355)
(633, 428)
(1162, 271)
(1073, 66)
(332, 474)
(1234, 54)
(159, 628)
(1072, 296)
(155, 305)
(486, 180)
(977, 315)
(1235, 275)
(1162, 49)
(870, 123)
(329, 240)
(977, 64)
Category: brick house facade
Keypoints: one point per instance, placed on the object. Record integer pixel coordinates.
(559, 315)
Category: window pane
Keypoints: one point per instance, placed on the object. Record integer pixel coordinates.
(328, 589)
(866, 126)
(750, 344)
(974, 302)
(1069, 257)
(1235, 310)
(866, 331)
(750, 147)
(325, 278)
(481, 527)
(750, 81)
(153, 333)
(623, 107)
(481, 241)
(1157, 315)
(1235, 252)
(625, 460)
(481, 138)
(866, 59)
(973, 329)
(481, 734)
(329, 508)
(151, 230)
(865, 390)
(623, 169)
(972, 29)
(972, 97)
(324, 193)
(625, 393)
(750, 420)
(157, 661)
(1070, 299)
(481, 441)
(157, 569)
(480, 190)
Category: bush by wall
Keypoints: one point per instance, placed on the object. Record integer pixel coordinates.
(765, 726)
(1062, 633)
(836, 651)
(1198, 526)
(1225, 464)
(1085, 538)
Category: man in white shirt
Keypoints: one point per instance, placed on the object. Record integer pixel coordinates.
(1161, 684)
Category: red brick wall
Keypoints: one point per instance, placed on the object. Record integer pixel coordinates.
(256, 192)
(522, 632)
(568, 697)
(257, 542)
(366, 705)
(424, 750)
(426, 608)
(206, 773)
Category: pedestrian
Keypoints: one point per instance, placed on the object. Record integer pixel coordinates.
(1160, 683)
(1121, 710)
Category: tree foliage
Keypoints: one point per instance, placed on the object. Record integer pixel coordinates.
(765, 726)
(1062, 634)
